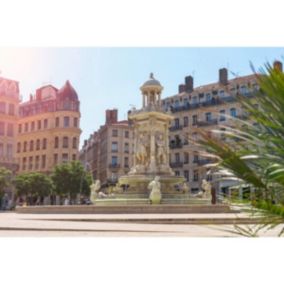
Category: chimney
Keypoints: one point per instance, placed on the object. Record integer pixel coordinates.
(111, 116)
(188, 84)
(277, 65)
(181, 88)
(223, 76)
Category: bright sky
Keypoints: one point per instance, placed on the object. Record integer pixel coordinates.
(111, 77)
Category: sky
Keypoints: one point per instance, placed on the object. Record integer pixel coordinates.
(111, 77)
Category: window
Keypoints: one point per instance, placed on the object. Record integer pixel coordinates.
(243, 90)
(233, 112)
(65, 142)
(75, 122)
(186, 175)
(222, 117)
(194, 119)
(195, 158)
(194, 100)
(2, 107)
(39, 125)
(177, 173)
(126, 162)
(37, 144)
(186, 158)
(56, 142)
(32, 126)
(64, 158)
(222, 94)
(66, 121)
(176, 123)
(26, 127)
(114, 133)
(57, 122)
(25, 146)
(114, 147)
(74, 143)
(126, 134)
(208, 97)
(45, 123)
(10, 151)
(195, 175)
(20, 128)
(177, 158)
(55, 159)
(10, 130)
(31, 145)
(209, 178)
(208, 116)
(24, 163)
(11, 110)
(74, 158)
(44, 143)
(1, 150)
(37, 162)
(43, 161)
(30, 163)
(18, 147)
(126, 147)
(185, 121)
(2, 128)
(114, 160)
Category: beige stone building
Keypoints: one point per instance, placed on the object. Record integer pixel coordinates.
(9, 105)
(206, 106)
(48, 129)
(108, 152)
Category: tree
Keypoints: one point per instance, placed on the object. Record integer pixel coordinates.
(254, 151)
(33, 185)
(71, 179)
(5, 179)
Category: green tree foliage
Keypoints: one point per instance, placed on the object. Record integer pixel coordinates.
(33, 184)
(254, 150)
(5, 179)
(71, 179)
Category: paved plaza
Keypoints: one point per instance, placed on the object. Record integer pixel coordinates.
(117, 225)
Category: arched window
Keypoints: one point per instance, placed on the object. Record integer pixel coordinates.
(18, 147)
(37, 144)
(31, 145)
(25, 146)
(44, 143)
(65, 142)
(56, 142)
(74, 143)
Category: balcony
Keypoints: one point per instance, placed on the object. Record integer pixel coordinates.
(176, 165)
(204, 162)
(176, 145)
(212, 102)
(175, 128)
(114, 166)
(207, 123)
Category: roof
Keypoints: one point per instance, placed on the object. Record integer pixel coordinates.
(67, 91)
(152, 81)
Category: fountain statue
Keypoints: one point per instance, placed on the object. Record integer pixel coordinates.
(206, 187)
(155, 194)
(95, 188)
(151, 144)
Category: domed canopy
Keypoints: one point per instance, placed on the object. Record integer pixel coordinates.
(152, 82)
(67, 91)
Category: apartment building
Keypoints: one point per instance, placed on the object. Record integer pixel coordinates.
(48, 129)
(9, 106)
(108, 152)
(205, 107)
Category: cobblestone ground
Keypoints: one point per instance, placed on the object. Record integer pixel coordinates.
(83, 225)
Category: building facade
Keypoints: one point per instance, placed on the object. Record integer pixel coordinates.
(9, 107)
(108, 153)
(206, 107)
(48, 129)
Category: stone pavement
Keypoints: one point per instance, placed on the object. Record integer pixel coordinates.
(116, 225)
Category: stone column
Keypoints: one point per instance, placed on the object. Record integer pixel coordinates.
(143, 100)
(152, 148)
